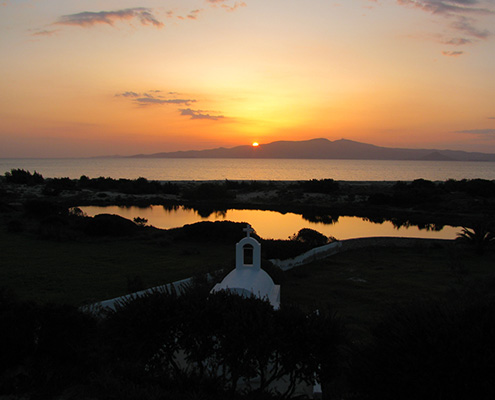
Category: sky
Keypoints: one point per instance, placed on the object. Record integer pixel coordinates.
(92, 78)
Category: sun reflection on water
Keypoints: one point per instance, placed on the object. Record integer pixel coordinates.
(273, 224)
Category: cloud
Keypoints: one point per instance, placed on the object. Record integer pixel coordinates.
(452, 53)
(227, 7)
(449, 7)
(491, 117)
(153, 97)
(88, 19)
(128, 94)
(458, 41)
(478, 131)
(234, 7)
(466, 15)
(153, 100)
(466, 25)
(198, 114)
(193, 14)
(45, 32)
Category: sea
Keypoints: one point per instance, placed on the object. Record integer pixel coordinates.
(197, 169)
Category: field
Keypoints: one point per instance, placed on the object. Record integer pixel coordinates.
(363, 284)
(360, 285)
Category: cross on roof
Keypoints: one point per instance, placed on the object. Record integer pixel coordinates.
(248, 230)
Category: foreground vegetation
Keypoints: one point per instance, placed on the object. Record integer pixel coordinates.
(202, 346)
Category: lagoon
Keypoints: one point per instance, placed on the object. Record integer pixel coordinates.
(273, 224)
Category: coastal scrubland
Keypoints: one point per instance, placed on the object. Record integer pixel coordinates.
(55, 259)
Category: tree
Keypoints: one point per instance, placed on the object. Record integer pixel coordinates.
(480, 236)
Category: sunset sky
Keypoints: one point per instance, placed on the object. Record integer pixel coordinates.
(88, 78)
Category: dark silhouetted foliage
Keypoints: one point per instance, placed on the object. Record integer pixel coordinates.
(20, 176)
(472, 187)
(44, 348)
(208, 192)
(42, 208)
(480, 236)
(324, 186)
(218, 231)
(430, 350)
(128, 186)
(311, 237)
(110, 225)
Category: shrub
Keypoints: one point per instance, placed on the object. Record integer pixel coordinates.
(430, 350)
(218, 231)
(311, 237)
(110, 225)
(324, 186)
(20, 176)
(42, 208)
(208, 192)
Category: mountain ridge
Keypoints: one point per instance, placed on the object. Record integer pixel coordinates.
(321, 148)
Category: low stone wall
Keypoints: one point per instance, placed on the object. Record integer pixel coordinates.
(111, 303)
(358, 243)
(311, 255)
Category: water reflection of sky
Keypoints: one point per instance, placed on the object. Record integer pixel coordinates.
(272, 224)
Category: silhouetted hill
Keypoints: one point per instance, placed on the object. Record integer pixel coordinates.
(342, 149)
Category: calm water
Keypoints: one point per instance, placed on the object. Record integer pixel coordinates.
(272, 224)
(253, 169)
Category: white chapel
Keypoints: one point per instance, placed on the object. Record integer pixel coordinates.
(248, 279)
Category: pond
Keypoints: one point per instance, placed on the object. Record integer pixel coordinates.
(276, 225)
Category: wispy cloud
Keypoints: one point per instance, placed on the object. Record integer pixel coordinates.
(193, 14)
(452, 53)
(478, 131)
(467, 25)
(128, 94)
(457, 41)
(44, 32)
(199, 114)
(88, 19)
(465, 13)
(449, 7)
(153, 97)
(227, 7)
(491, 117)
(153, 100)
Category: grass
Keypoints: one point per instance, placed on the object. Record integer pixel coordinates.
(361, 285)
(81, 272)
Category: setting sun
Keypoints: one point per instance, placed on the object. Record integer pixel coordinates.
(255, 144)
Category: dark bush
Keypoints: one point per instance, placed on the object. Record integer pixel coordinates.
(472, 187)
(430, 350)
(44, 349)
(379, 199)
(208, 192)
(311, 237)
(218, 231)
(127, 186)
(20, 176)
(42, 208)
(324, 186)
(110, 225)
(282, 249)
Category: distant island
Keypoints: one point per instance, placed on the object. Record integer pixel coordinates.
(342, 149)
